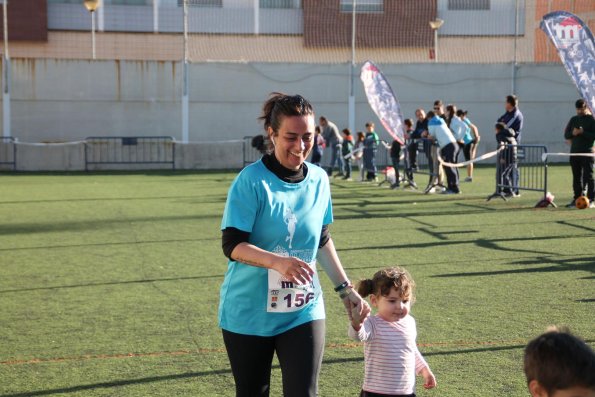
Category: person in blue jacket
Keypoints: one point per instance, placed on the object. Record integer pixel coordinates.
(438, 131)
(275, 228)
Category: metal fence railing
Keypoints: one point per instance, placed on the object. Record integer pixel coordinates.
(8, 153)
(113, 151)
(520, 167)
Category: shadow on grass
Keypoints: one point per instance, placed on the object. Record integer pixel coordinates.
(77, 226)
(128, 199)
(490, 244)
(153, 379)
(143, 281)
(581, 227)
(397, 210)
(558, 265)
(67, 246)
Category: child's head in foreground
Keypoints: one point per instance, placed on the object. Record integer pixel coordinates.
(390, 291)
(558, 364)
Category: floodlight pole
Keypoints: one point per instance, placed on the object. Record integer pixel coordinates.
(435, 25)
(5, 77)
(185, 102)
(91, 6)
(516, 35)
(93, 33)
(351, 109)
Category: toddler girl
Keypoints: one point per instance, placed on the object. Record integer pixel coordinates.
(391, 356)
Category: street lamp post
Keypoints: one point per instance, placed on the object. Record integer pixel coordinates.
(435, 25)
(351, 104)
(6, 76)
(91, 6)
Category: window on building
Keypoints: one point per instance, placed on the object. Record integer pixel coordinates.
(463, 5)
(104, 2)
(280, 3)
(202, 3)
(128, 2)
(362, 6)
(60, 2)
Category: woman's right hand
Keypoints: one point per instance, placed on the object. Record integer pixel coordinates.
(294, 270)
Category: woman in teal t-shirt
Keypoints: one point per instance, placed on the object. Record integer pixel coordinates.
(275, 229)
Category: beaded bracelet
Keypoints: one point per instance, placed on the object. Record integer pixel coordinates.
(342, 286)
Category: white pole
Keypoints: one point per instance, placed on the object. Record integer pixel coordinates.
(351, 104)
(6, 78)
(185, 104)
(93, 33)
(516, 35)
(435, 45)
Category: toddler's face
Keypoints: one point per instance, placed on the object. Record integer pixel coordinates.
(392, 307)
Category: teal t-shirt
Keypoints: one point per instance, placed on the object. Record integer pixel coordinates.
(468, 137)
(284, 218)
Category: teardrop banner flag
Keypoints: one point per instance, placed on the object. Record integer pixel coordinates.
(383, 101)
(576, 47)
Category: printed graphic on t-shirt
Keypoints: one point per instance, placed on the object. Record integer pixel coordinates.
(291, 221)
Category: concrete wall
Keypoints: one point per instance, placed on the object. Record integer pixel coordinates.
(68, 100)
(71, 157)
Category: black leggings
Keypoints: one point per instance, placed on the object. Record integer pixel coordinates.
(299, 351)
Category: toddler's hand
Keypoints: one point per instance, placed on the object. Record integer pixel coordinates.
(429, 378)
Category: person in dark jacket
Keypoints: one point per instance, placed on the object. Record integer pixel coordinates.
(506, 172)
(346, 152)
(580, 131)
(513, 118)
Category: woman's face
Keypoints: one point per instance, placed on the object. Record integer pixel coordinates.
(293, 141)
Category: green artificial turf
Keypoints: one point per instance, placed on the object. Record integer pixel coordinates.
(109, 282)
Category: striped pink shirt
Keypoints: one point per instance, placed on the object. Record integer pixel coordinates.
(391, 355)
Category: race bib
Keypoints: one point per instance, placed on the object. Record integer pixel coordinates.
(285, 296)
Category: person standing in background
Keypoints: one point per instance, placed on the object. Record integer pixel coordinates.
(513, 119)
(580, 131)
(471, 141)
(318, 147)
(439, 132)
(371, 142)
(333, 140)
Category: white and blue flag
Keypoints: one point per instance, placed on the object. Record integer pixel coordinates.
(383, 101)
(576, 47)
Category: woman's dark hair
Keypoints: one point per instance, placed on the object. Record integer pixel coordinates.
(452, 111)
(259, 143)
(281, 105)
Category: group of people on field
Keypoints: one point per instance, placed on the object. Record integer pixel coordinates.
(449, 128)
(276, 230)
(347, 151)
